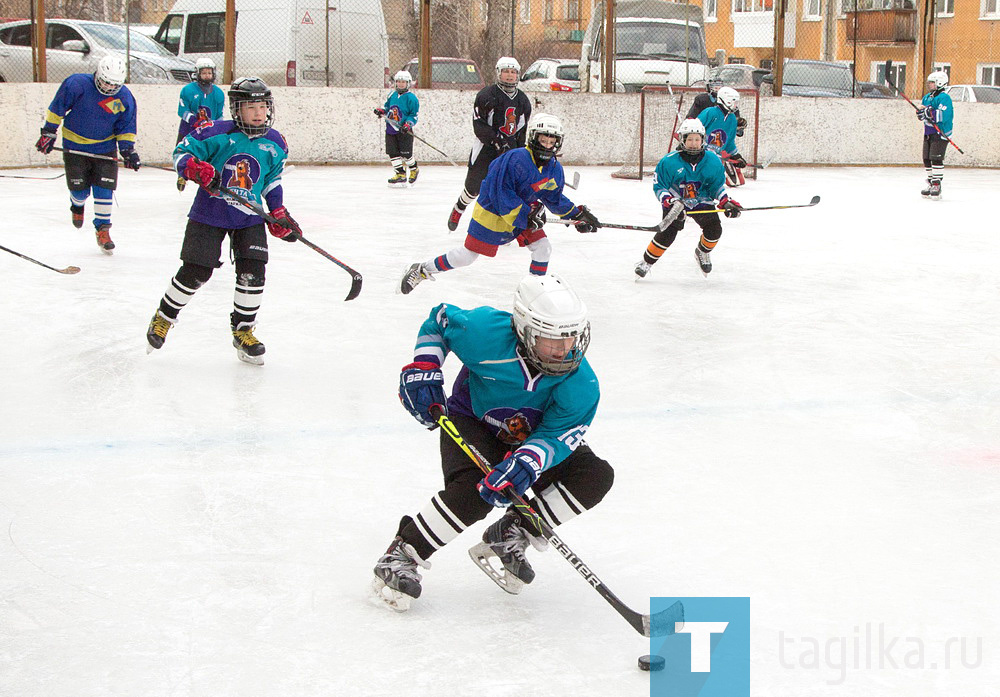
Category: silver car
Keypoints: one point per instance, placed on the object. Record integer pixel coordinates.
(974, 93)
(552, 75)
(76, 46)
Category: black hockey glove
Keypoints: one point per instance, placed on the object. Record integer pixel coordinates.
(738, 161)
(131, 159)
(379, 111)
(46, 142)
(741, 125)
(731, 208)
(586, 221)
(503, 143)
(536, 218)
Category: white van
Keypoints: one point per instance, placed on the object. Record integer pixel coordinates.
(286, 42)
(656, 43)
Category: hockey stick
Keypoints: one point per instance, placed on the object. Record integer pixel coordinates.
(111, 158)
(67, 270)
(355, 276)
(395, 124)
(20, 176)
(659, 227)
(663, 623)
(575, 184)
(888, 66)
(813, 202)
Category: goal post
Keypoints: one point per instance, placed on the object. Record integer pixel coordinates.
(660, 108)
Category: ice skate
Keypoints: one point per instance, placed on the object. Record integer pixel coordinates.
(398, 178)
(703, 261)
(506, 541)
(414, 172)
(935, 191)
(396, 581)
(926, 191)
(641, 269)
(157, 332)
(248, 347)
(103, 235)
(76, 212)
(455, 217)
(181, 183)
(414, 275)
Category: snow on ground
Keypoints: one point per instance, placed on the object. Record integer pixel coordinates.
(814, 426)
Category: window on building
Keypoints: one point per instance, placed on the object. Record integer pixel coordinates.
(525, 11)
(753, 5)
(572, 9)
(989, 75)
(549, 10)
(711, 8)
(946, 67)
(897, 75)
(812, 9)
(989, 8)
(944, 8)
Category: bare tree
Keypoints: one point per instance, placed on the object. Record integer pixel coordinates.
(496, 36)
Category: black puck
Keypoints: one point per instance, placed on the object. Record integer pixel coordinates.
(651, 662)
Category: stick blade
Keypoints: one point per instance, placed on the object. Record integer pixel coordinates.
(355, 287)
(814, 201)
(664, 623)
(69, 270)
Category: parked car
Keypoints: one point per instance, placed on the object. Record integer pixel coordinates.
(77, 46)
(287, 43)
(974, 93)
(552, 75)
(449, 74)
(875, 90)
(808, 78)
(737, 75)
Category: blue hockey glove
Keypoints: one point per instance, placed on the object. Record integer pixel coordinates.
(517, 472)
(131, 159)
(421, 386)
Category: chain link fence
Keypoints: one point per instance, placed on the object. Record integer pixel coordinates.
(837, 48)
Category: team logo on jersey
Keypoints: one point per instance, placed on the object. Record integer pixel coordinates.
(689, 189)
(112, 105)
(716, 138)
(545, 184)
(240, 173)
(395, 114)
(510, 121)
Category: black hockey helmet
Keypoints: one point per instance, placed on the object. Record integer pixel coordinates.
(247, 90)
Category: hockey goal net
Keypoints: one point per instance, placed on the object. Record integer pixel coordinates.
(660, 109)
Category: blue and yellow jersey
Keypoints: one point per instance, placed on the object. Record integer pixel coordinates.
(720, 130)
(694, 185)
(401, 108)
(513, 182)
(250, 166)
(194, 100)
(91, 121)
(944, 112)
(544, 416)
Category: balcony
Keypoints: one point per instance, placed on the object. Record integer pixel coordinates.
(884, 27)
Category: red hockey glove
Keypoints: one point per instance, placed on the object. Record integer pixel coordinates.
(406, 127)
(286, 228)
(46, 142)
(731, 208)
(379, 111)
(203, 174)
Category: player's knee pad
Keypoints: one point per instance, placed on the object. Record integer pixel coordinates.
(194, 275)
(541, 247)
(711, 228)
(665, 238)
(250, 271)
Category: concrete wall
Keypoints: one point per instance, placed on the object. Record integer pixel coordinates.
(337, 126)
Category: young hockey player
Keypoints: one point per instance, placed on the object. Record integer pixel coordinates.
(400, 112)
(689, 179)
(721, 127)
(201, 103)
(524, 398)
(245, 155)
(499, 116)
(937, 109)
(707, 99)
(521, 183)
(98, 116)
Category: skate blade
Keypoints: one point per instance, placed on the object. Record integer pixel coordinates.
(109, 252)
(149, 348)
(481, 554)
(384, 596)
(247, 358)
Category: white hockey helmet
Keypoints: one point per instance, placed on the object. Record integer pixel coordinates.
(729, 98)
(687, 127)
(204, 64)
(546, 307)
(507, 63)
(403, 76)
(549, 125)
(111, 73)
(939, 78)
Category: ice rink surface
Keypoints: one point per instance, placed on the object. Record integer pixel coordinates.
(815, 426)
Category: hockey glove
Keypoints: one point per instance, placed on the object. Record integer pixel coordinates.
(738, 161)
(930, 115)
(503, 142)
(741, 125)
(921, 113)
(46, 142)
(731, 208)
(379, 111)
(673, 210)
(406, 127)
(286, 228)
(204, 174)
(131, 158)
(586, 221)
(517, 473)
(421, 386)
(536, 218)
